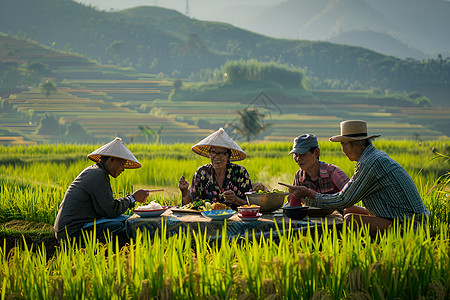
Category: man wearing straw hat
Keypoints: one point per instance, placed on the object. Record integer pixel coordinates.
(219, 181)
(385, 188)
(89, 202)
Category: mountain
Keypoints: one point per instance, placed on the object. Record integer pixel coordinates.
(419, 24)
(377, 41)
(157, 40)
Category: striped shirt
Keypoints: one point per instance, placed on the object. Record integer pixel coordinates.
(384, 187)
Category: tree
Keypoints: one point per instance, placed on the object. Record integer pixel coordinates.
(48, 87)
(251, 123)
(177, 84)
(147, 132)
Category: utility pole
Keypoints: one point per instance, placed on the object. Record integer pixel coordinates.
(187, 8)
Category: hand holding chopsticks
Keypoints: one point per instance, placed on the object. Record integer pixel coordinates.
(141, 195)
(299, 191)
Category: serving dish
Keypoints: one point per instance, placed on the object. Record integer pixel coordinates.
(319, 212)
(267, 202)
(248, 211)
(149, 213)
(295, 212)
(218, 214)
(250, 218)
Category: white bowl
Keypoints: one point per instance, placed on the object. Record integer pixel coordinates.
(150, 213)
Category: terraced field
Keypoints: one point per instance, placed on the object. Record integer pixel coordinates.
(109, 101)
(323, 120)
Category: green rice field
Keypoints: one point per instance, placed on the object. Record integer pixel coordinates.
(400, 264)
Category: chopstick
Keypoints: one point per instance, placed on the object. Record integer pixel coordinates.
(156, 190)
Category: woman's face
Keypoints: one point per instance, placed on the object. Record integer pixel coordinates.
(219, 157)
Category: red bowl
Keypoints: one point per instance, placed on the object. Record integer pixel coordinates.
(248, 211)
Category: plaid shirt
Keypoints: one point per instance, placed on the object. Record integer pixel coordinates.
(331, 180)
(384, 187)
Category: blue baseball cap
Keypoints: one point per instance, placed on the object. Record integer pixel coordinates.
(303, 143)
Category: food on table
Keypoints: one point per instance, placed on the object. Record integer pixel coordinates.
(151, 206)
(201, 205)
(275, 191)
(249, 210)
(218, 206)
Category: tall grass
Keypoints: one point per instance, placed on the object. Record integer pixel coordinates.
(398, 265)
(33, 179)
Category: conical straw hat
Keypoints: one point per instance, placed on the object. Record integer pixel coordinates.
(219, 139)
(116, 148)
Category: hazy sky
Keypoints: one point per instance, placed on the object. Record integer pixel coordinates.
(199, 9)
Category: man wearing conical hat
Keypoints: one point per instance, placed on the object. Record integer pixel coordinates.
(220, 180)
(89, 198)
(385, 188)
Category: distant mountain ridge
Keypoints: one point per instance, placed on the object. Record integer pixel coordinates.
(154, 40)
(419, 24)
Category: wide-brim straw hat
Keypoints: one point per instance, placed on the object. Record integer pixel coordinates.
(353, 130)
(219, 139)
(116, 148)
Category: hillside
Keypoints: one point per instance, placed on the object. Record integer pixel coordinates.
(153, 39)
(94, 103)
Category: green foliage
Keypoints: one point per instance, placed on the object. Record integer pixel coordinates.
(161, 40)
(295, 265)
(47, 87)
(148, 132)
(252, 70)
(399, 265)
(251, 123)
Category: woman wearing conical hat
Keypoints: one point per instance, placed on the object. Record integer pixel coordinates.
(89, 199)
(220, 180)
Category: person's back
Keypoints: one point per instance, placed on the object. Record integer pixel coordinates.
(392, 192)
(78, 206)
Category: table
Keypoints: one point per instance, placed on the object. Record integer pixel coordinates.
(265, 226)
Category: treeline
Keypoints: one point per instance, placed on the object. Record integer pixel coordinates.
(15, 78)
(252, 70)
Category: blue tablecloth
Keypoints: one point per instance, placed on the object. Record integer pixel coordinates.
(265, 226)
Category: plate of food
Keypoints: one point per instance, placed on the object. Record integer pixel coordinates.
(220, 214)
(153, 209)
(195, 207)
(250, 218)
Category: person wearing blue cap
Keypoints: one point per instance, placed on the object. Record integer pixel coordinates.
(384, 187)
(314, 174)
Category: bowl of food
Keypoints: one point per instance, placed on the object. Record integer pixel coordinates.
(295, 212)
(150, 210)
(267, 201)
(249, 210)
(218, 215)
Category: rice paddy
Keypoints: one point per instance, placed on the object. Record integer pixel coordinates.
(400, 264)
